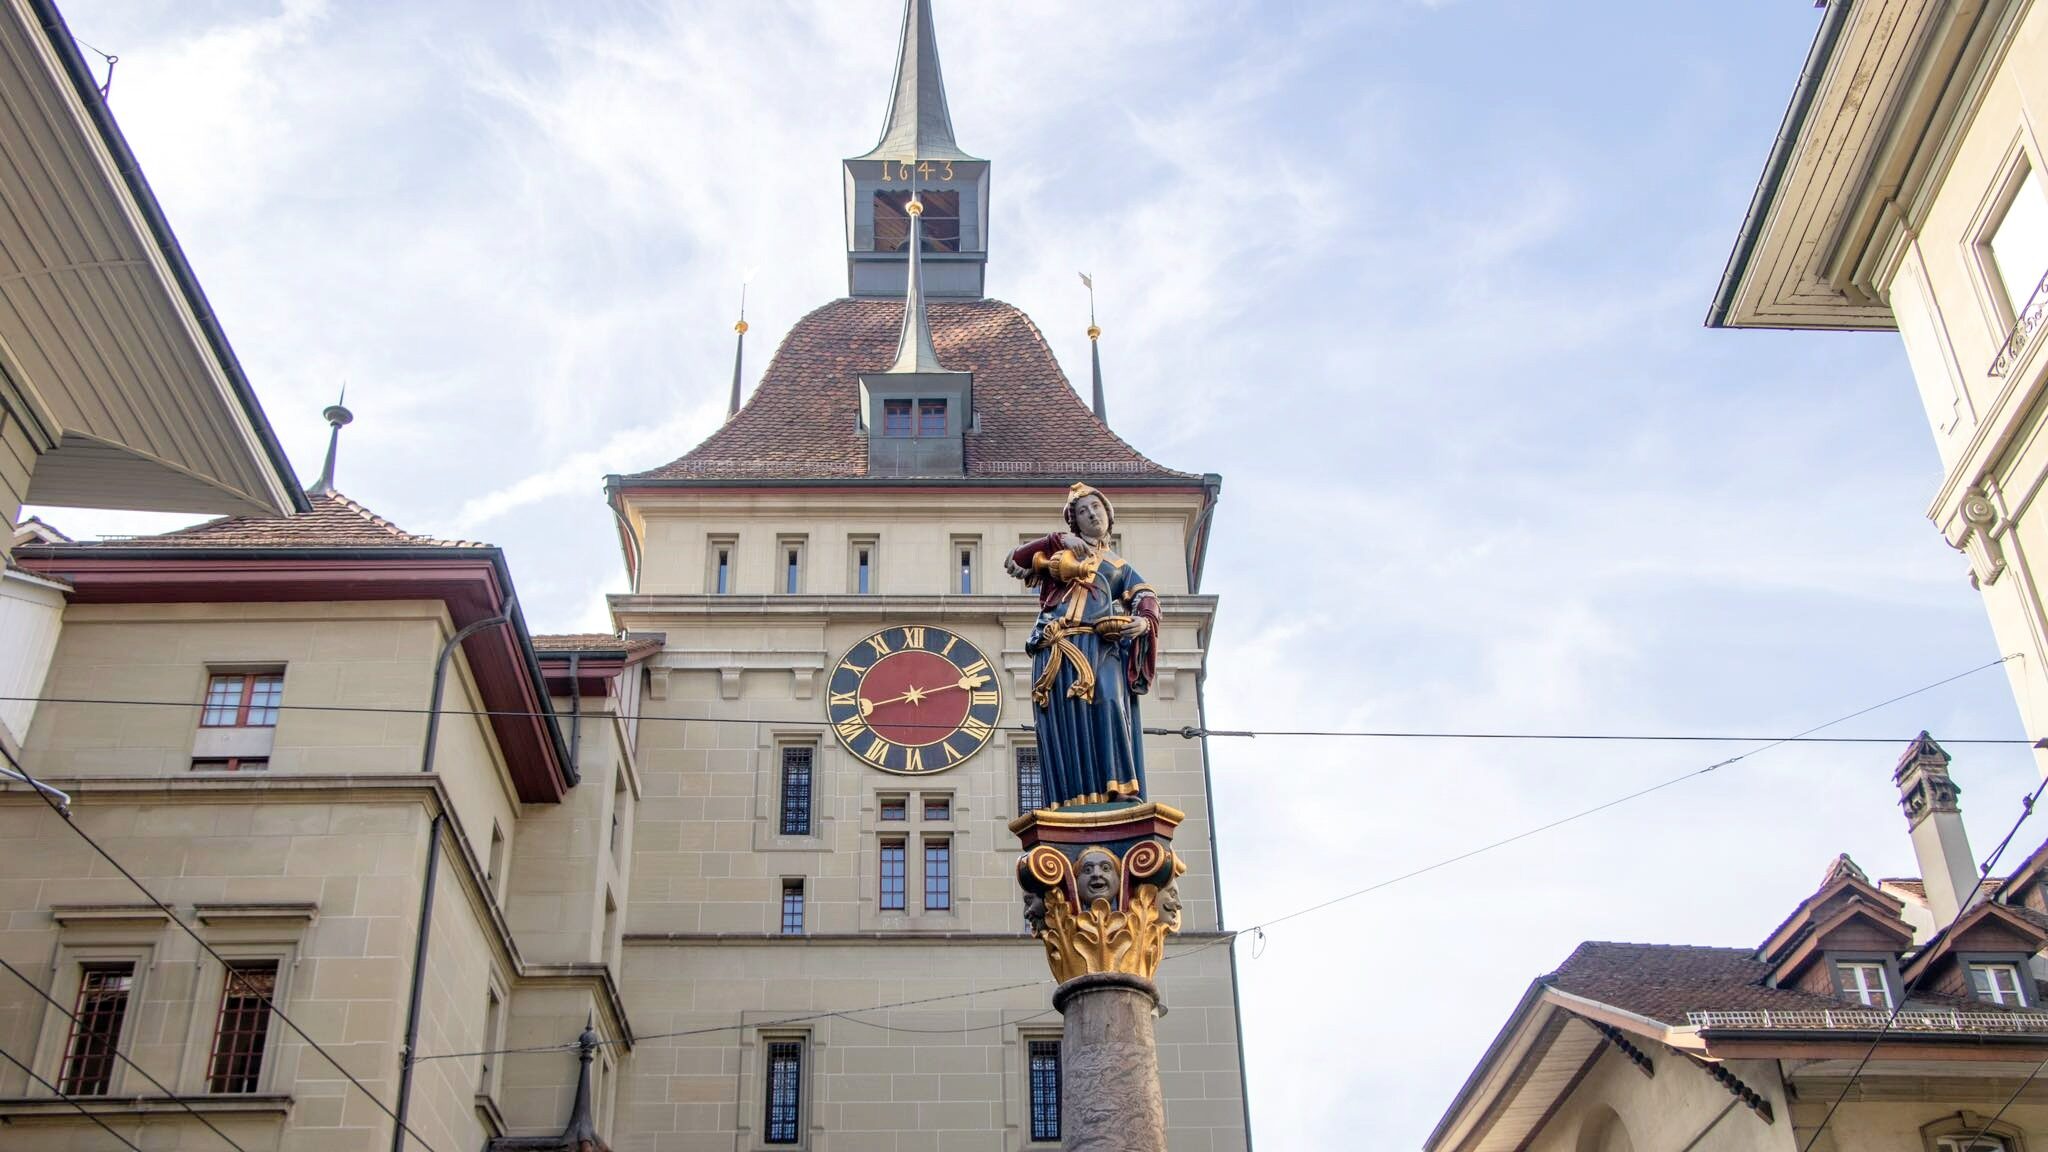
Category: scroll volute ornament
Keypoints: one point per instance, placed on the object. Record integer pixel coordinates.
(1096, 913)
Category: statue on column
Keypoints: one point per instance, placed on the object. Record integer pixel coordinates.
(1093, 653)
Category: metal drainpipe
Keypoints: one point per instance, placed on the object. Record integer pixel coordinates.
(421, 938)
(576, 709)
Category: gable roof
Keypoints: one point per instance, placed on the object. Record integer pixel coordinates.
(334, 522)
(803, 420)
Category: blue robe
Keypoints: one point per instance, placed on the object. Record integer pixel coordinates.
(1093, 751)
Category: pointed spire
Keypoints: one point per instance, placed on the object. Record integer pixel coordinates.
(337, 418)
(581, 1133)
(914, 350)
(739, 356)
(1095, 349)
(918, 126)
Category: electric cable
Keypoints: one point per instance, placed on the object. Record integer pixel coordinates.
(1188, 732)
(180, 1101)
(1985, 1129)
(1967, 905)
(209, 949)
(82, 1110)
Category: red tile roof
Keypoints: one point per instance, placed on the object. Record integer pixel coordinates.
(335, 522)
(634, 644)
(802, 422)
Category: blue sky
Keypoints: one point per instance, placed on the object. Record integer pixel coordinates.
(1423, 281)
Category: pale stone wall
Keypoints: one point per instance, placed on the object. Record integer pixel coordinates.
(1953, 320)
(948, 1075)
(739, 676)
(566, 866)
(1885, 1126)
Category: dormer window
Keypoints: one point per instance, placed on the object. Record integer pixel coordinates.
(924, 418)
(1863, 982)
(940, 224)
(931, 417)
(1997, 984)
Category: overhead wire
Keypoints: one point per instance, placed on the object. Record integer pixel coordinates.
(82, 1109)
(1188, 732)
(209, 949)
(1257, 931)
(180, 1101)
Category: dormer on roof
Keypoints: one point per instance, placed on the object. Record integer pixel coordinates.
(916, 156)
(916, 415)
(1846, 915)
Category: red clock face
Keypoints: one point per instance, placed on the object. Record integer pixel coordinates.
(913, 699)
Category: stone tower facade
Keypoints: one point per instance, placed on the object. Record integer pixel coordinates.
(825, 946)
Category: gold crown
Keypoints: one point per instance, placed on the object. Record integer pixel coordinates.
(740, 327)
(915, 207)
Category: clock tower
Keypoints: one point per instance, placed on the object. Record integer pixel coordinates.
(823, 945)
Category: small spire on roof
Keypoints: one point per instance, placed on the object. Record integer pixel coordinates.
(918, 127)
(739, 355)
(914, 350)
(1095, 350)
(337, 417)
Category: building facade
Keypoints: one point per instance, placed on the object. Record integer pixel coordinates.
(1908, 189)
(824, 893)
(1891, 1015)
(402, 874)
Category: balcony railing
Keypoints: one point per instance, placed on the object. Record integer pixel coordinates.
(1872, 1019)
(2025, 326)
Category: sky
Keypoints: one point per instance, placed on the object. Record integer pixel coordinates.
(1422, 279)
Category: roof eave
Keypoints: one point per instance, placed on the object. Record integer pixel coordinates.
(87, 91)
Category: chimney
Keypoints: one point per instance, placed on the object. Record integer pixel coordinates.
(1941, 846)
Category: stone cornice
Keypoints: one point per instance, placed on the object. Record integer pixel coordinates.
(841, 607)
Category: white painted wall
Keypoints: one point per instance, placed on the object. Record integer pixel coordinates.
(31, 615)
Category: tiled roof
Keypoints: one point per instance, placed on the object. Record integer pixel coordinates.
(335, 522)
(634, 643)
(1665, 981)
(802, 422)
(1910, 884)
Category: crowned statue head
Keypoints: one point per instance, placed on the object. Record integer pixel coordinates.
(1096, 877)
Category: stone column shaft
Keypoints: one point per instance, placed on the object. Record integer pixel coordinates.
(1110, 1100)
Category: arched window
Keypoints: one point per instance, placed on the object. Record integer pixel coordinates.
(1970, 1132)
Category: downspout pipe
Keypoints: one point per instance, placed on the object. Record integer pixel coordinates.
(423, 936)
(576, 709)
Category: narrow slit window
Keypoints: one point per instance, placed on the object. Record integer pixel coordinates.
(931, 417)
(863, 565)
(792, 907)
(783, 1123)
(96, 1029)
(724, 575)
(790, 556)
(938, 875)
(966, 571)
(797, 760)
(1030, 786)
(1045, 1091)
(493, 1010)
(243, 1027)
(892, 875)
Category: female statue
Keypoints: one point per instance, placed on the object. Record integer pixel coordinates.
(1093, 653)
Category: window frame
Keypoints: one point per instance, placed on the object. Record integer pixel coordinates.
(111, 1065)
(901, 891)
(926, 405)
(790, 555)
(942, 846)
(490, 1072)
(255, 942)
(2018, 968)
(894, 406)
(1031, 1042)
(270, 679)
(2012, 183)
(1037, 784)
(898, 802)
(1949, 1133)
(784, 776)
(233, 978)
(963, 566)
(721, 564)
(938, 226)
(230, 764)
(1888, 977)
(784, 1044)
(861, 578)
(941, 802)
(793, 885)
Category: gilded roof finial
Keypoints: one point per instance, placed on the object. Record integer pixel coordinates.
(739, 355)
(914, 349)
(1095, 349)
(337, 417)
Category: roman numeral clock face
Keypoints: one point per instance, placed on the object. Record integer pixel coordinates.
(913, 699)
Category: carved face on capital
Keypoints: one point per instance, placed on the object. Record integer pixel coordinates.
(1096, 878)
(1034, 912)
(1169, 903)
(1091, 517)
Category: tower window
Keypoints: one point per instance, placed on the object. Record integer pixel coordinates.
(938, 875)
(892, 875)
(861, 557)
(931, 417)
(791, 549)
(896, 418)
(783, 1123)
(792, 907)
(796, 789)
(243, 700)
(242, 1027)
(1045, 1091)
(1030, 786)
(724, 571)
(940, 223)
(963, 552)
(718, 564)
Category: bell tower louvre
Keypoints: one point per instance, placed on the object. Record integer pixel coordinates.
(824, 945)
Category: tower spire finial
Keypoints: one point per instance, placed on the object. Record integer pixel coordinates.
(918, 126)
(1095, 350)
(337, 417)
(739, 355)
(914, 350)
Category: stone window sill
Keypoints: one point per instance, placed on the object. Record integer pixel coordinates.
(48, 1107)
